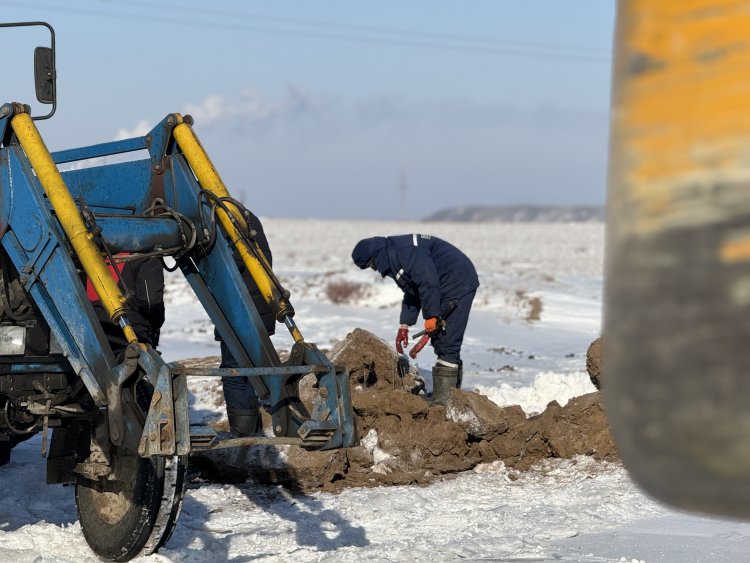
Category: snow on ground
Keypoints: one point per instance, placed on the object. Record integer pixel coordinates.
(569, 510)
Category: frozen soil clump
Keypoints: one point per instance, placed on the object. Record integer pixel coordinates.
(404, 440)
(594, 362)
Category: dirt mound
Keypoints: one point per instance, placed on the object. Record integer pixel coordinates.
(374, 365)
(404, 440)
(594, 362)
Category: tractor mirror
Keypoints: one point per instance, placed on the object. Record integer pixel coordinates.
(44, 74)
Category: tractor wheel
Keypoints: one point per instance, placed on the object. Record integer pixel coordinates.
(135, 513)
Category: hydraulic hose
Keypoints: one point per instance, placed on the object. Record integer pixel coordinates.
(210, 181)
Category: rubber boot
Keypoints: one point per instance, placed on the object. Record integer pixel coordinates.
(460, 375)
(244, 422)
(444, 378)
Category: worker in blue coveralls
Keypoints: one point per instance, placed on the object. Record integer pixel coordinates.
(239, 394)
(436, 278)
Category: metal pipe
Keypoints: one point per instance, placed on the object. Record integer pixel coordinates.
(138, 234)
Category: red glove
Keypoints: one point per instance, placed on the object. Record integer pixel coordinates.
(431, 325)
(418, 346)
(402, 339)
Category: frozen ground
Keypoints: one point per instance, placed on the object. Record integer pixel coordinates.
(576, 510)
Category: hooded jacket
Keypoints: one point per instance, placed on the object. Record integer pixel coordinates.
(430, 271)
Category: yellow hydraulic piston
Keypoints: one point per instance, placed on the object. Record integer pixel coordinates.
(209, 180)
(72, 222)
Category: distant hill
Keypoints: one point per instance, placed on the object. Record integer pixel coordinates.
(520, 214)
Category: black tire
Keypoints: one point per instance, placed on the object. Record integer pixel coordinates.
(134, 514)
(117, 516)
(174, 489)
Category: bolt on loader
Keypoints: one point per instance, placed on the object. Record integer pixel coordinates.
(118, 427)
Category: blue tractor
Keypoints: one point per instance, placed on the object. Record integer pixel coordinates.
(118, 427)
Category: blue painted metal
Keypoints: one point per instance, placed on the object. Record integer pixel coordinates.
(158, 437)
(181, 395)
(39, 250)
(99, 151)
(160, 143)
(4, 122)
(31, 368)
(139, 234)
(222, 323)
(123, 187)
(118, 195)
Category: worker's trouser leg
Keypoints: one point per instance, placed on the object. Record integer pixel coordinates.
(240, 397)
(447, 344)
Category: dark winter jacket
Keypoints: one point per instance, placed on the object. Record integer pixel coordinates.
(143, 281)
(264, 309)
(144, 278)
(430, 271)
(261, 305)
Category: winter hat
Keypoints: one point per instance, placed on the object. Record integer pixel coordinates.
(362, 253)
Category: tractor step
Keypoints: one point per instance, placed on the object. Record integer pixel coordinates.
(312, 434)
(201, 437)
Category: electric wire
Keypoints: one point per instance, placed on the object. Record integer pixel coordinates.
(378, 30)
(517, 51)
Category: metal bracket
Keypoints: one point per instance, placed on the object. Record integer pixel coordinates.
(120, 374)
(158, 436)
(159, 141)
(30, 270)
(331, 423)
(167, 428)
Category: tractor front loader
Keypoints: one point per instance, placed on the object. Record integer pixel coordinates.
(120, 428)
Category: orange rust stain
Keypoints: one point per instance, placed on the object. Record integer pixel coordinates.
(735, 251)
(685, 97)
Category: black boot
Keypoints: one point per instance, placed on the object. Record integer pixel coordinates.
(244, 422)
(444, 378)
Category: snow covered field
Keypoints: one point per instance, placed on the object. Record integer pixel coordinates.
(535, 314)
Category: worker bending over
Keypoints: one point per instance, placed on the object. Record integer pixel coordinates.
(436, 278)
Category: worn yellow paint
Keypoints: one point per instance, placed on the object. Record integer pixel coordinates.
(682, 101)
(735, 251)
(209, 180)
(296, 334)
(71, 220)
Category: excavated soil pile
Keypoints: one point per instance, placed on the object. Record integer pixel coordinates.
(594, 362)
(403, 440)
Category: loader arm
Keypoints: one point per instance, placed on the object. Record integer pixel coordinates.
(121, 430)
(117, 198)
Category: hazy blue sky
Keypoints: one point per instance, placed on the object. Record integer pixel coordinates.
(325, 108)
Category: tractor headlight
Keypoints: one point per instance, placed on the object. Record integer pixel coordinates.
(12, 340)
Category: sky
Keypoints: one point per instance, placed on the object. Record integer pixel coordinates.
(336, 109)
